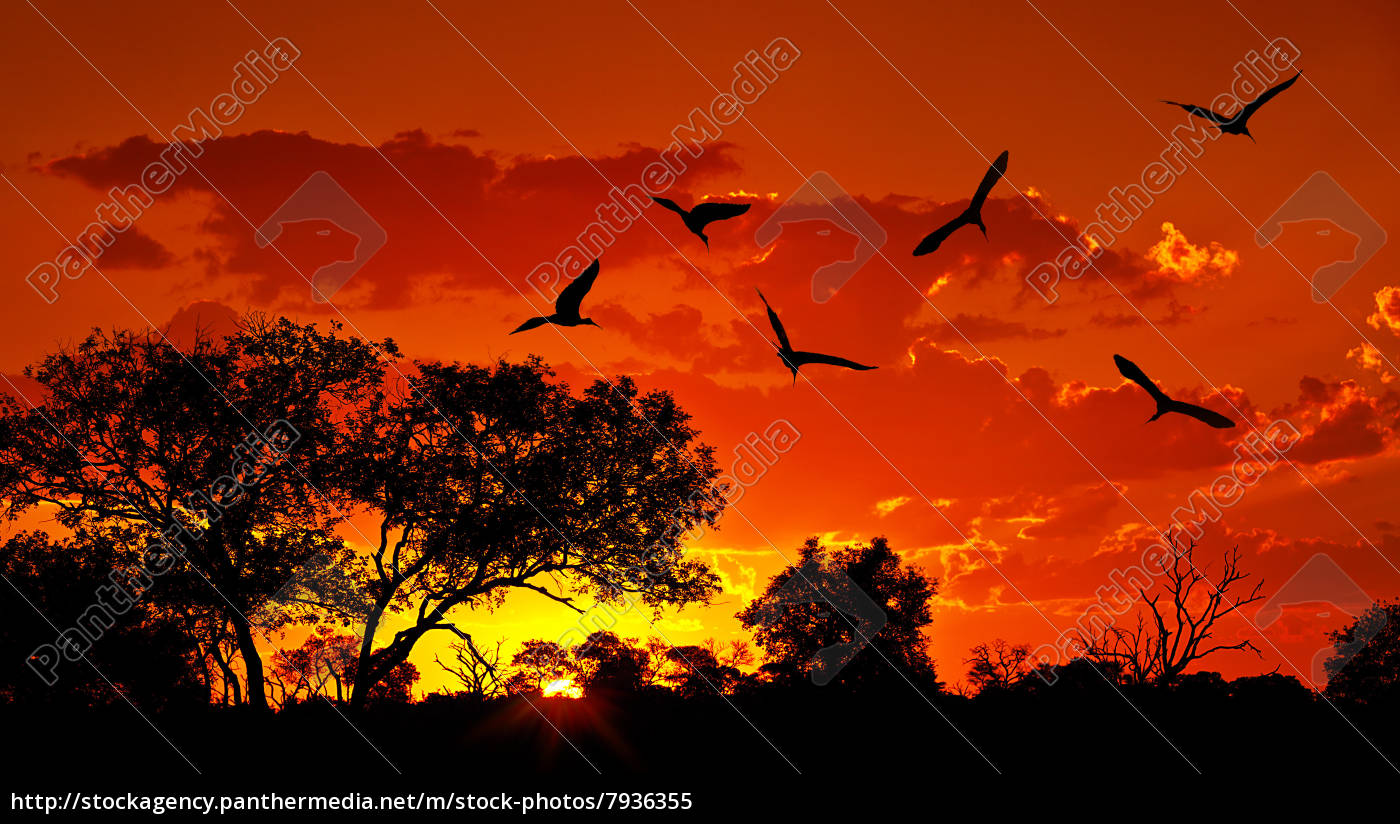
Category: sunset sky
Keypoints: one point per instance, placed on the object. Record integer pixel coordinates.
(997, 447)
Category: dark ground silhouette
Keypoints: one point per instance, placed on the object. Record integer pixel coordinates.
(664, 740)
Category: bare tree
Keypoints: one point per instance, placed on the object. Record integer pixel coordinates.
(478, 671)
(1168, 637)
(733, 653)
(998, 665)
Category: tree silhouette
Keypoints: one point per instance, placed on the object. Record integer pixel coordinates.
(708, 668)
(607, 663)
(497, 480)
(205, 456)
(325, 665)
(1365, 663)
(998, 665)
(1271, 688)
(537, 664)
(397, 686)
(810, 609)
(477, 669)
(1167, 638)
(87, 589)
(1204, 683)
(325, 661)
(1077, 675)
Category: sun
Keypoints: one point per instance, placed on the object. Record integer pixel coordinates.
(563, 688)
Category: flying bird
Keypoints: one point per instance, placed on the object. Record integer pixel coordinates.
(972, 215)
(1238, 123)
(566, 306)
(793, 359)
(1165, 404)
(703, 214)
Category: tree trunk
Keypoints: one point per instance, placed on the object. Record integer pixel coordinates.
(389, 657)
(230, 678)
(364, 676)
(371, 671)
(252, 662)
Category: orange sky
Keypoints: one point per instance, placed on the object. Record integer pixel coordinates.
(1021, 480)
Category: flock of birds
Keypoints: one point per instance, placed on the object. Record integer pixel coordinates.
(567, 307)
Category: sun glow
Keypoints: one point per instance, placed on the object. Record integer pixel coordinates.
(563, 688)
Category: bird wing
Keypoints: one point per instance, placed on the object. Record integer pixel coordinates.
(1200, 413)
(670, 204)
(1201, 112)
(531, 324)
(989, 180)
(937, 236)
(571, 298)
(1130, 370)
(777, 324)
(707, 213)
(804, 358)
(1268, 95)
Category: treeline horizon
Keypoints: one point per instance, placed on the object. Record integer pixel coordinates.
(204, 496)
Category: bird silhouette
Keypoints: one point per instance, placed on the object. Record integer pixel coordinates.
(792, 358)
(566, 306)
(1165, 404)
(703, 214)
(972, 215)
(1238, 123)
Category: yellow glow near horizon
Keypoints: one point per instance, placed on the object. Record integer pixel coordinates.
(563, 688)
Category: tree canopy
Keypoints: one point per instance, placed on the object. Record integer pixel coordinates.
(816, 617)
(1365, 662)
(236, 463)
(492, 480)
(218, 455)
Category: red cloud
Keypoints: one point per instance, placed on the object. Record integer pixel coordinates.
(1387, 314)
(1369, 358)
(980, 328)
(202, 317)
(134, 249)
(1340, 420)
(1177, 313)
(1180, 260)
(518, 212)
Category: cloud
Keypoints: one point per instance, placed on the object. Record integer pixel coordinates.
(516, 211)
(202, 317)
(679, 332)
(1177, 314)
(1369, 358)
(1179, 260)
(889, 505)
(520, 211)
(1340, 420)
(134, 249)
(982, 328)
(1084, 512)
(1387, 314)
